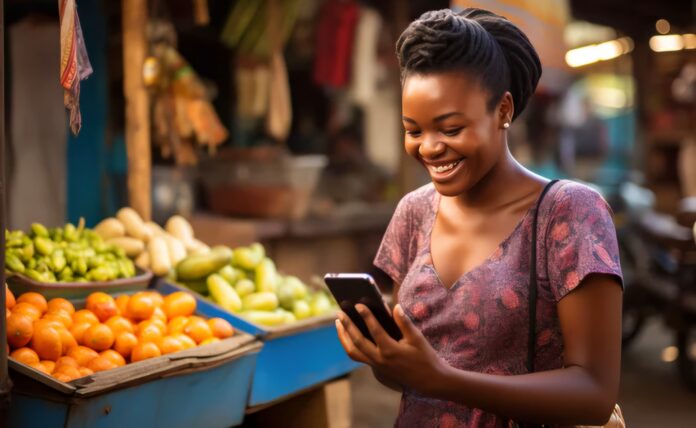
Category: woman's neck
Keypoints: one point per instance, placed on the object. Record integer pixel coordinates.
(506, 183)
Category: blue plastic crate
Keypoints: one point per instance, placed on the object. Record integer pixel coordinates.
(204, 386)
(294, 358)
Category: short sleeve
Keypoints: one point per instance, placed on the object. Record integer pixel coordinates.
(580, 239)
(396, 252)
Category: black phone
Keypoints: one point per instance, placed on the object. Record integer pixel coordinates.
(349, 289)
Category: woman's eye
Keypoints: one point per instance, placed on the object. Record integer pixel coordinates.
(413, 133)
(452, 132)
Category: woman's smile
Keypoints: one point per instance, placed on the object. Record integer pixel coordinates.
(444, 171)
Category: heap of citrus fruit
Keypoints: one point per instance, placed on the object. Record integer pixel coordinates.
(56, 339)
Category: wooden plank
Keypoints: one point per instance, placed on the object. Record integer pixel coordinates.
(134, 17)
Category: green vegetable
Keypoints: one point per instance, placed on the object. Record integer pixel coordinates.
(13, 263)
(201, 265)
(266, 275)
(223, 293)
(301, 309)
(39, 230)
(265, 318)
(43, 245)
(261, 301)
(245, 287)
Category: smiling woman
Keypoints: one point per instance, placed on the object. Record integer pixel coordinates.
(459, 250)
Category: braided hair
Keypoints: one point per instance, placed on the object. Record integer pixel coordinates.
(476, 41)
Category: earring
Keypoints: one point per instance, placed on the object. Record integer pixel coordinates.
(506, 125)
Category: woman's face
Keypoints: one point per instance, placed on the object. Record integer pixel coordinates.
(450, 130)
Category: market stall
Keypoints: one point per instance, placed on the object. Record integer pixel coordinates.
(265, 353)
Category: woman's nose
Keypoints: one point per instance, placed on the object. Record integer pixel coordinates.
(431, 147)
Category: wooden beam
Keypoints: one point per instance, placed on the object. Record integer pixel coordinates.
(134, 17)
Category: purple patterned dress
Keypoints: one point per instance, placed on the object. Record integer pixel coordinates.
(480, 323)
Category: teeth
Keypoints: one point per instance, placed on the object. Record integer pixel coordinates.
(444, 168)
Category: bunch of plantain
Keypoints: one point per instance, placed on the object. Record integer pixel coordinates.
(151, 246)
(246, 282)
(65, 254)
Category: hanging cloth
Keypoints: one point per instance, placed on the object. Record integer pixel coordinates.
(74, 62)
(334, 43)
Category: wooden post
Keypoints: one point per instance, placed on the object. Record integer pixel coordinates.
(134, 17)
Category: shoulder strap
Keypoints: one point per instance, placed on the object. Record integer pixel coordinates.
(531, 344)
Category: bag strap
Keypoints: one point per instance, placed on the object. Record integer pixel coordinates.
(531, 343)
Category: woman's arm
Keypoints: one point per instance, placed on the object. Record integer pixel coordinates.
(583, 392)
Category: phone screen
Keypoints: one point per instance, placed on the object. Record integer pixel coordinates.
(351, 289)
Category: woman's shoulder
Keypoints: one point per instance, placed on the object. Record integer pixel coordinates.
(571, 195)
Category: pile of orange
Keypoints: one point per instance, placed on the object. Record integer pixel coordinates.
(67, 344)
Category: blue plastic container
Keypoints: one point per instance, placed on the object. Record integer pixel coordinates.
(294, 357)
(206, 386)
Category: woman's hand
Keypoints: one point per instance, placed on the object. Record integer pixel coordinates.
(411, 361)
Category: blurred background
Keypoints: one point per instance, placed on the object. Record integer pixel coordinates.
(279, 121)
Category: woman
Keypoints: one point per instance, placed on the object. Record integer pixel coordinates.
(458, 250)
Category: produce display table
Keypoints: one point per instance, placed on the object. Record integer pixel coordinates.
(202, 386)
(294, 358)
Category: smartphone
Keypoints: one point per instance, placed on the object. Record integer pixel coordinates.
(349, 289)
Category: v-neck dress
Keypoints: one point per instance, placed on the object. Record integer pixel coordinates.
(480, 323)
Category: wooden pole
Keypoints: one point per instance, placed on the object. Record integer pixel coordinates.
(5, 383)
(134, 24)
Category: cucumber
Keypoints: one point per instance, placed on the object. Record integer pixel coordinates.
(266, 318)
(223, 293)
(262, 301)
(200, 266)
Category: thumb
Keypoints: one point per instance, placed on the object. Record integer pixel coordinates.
(410, 331)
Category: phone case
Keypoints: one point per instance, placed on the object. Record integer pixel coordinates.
(349, 289)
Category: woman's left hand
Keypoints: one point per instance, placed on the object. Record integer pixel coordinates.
(411, 361)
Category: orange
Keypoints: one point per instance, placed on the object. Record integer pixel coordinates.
(209, 340)
(27, 309)
(7, 313)
(62, 316)
(122, 304)
(68, 340)
(179, 303)
(162, 327)
(20, 328)
(66, 361)
(124, 344)
(141, 306)
(187, 341)
(159, 314)
(78, 331)
(9, 298)
(59, 303)
(198, 330)
(169, 344)
(62, 377)
(98, 337)
(143, 351)
(100, 364)
(156, 297)
(49, 365)
(119, 324)
(25, 355)
(70, 371)
(220, 328)
(40, 367)
(84, 371)
(43, 322)
(150, 333)
(114, 357)
(176, 325)
(82, 354)
(103, 305)
(47, 340)
(84, 315)
(35, 299)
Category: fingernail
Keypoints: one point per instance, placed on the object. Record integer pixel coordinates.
(399, 310)
(360, 309)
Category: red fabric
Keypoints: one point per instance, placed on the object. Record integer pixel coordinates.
(334, 42)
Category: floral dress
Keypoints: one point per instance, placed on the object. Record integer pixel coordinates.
(480, 323)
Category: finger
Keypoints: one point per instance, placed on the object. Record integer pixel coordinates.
(382, 338)
(359, 340)
(348, 345)
(409, 331)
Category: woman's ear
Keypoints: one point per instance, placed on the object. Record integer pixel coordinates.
(506, 110)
